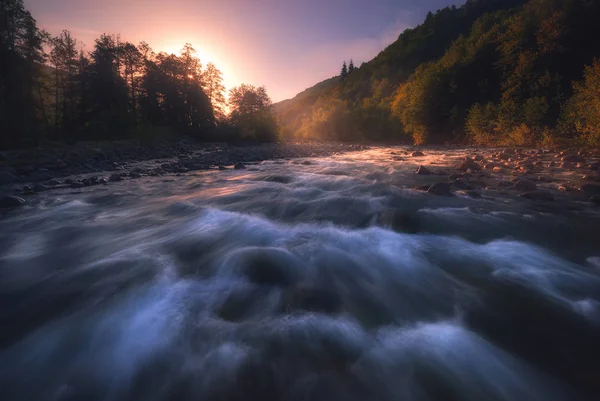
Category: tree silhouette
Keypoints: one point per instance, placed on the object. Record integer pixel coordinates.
(132, 65)
(21, 58)
(344, 72)
(351, 67)
(215, 90)
(252, 112)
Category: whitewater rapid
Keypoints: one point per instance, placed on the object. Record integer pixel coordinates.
(318, 278)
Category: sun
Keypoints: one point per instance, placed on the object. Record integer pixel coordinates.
(174, 48)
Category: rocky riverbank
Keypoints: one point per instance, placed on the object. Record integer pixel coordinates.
(532, 174)
(27, 172)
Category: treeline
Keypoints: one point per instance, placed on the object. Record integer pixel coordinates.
(492, 72)
(50, 89)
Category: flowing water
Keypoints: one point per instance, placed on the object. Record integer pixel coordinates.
(319, 278)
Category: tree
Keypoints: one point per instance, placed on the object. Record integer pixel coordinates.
(252, 113)
(64, 60)
(582, 111)
(215, 90)
(108, 90)
(351, 67)
(132, 63)
(172, 93)
(21, 58)
(344, 72)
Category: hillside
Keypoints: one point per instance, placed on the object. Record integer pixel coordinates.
(515, 60)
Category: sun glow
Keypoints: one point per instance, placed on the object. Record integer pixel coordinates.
(205, 54)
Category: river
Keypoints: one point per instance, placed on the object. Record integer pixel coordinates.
(317, 278)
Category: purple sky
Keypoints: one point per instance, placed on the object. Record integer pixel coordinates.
(285, 45)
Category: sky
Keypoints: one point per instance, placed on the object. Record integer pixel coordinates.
(285, 45)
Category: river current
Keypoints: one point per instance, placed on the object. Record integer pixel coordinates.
(303, 279)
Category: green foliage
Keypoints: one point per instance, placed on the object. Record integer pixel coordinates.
(582, 111)
(490, 72)
(252, 113)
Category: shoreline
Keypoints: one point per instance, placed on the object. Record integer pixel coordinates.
(30, 171)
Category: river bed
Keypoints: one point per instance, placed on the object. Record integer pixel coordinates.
(313, 278)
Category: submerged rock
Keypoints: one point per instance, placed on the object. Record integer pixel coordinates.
(417, 154)
(40, 188)
(441, 189)
(7, 178)
(524, 185)
(11, 201)
(399, 221)
(538, 196)
(115, 177)
(239, 166)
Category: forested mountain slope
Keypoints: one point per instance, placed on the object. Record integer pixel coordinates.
(490, 71)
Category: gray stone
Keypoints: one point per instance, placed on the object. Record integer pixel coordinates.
(11, 201)
(239, 166)
(7, 178)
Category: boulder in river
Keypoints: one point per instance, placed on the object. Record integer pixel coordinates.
(11, 201)
(115, 177)
(422, 170)
(399, 221)
(441, 189)
(417, 154)
(239, 166)
(469, 164)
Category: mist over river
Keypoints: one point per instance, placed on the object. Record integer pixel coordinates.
(302, 279)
